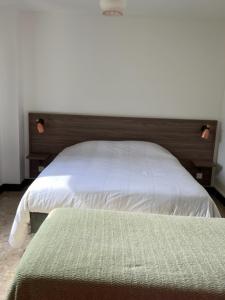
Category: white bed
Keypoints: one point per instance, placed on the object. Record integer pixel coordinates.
(126, 175)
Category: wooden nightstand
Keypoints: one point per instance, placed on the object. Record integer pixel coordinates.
(203, 171)
(38, 161)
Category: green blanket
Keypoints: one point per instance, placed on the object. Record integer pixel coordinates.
(103, 255)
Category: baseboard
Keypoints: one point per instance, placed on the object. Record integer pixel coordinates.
(214, 192)
(15, 187)
(220, 190)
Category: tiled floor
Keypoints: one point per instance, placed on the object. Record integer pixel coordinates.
(9, 257)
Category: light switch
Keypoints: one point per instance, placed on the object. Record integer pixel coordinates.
(199, 175)
(40, 168)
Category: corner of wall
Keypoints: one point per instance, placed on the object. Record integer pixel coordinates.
(10, 121)
(220, 176)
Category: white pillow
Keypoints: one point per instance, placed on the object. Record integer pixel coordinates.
(105, 148)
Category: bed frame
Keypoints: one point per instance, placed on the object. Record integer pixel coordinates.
(180, 136)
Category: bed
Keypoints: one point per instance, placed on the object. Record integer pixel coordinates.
(113, 175)
(106, 255)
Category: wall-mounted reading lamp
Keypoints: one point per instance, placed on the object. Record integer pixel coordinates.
(205, 132)
(40, 125)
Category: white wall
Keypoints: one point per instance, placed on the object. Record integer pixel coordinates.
(10, 142)
(27, 25)
(128, 66)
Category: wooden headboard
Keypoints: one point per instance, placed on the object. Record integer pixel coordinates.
(180, 137)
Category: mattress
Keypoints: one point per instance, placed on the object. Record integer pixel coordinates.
(105, 255)
(126, 176)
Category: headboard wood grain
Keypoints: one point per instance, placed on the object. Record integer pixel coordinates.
(180, 136)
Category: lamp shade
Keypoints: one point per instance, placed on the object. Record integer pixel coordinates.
(205, 132)
(112, 7)
(40, 125)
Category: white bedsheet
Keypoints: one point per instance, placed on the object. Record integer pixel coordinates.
(127, 175)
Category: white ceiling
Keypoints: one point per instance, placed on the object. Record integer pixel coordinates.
(204, 9)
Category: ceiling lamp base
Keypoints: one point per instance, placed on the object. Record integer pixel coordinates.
(112, 7)
(112, 13)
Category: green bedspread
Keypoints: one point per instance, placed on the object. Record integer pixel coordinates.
(103, 255)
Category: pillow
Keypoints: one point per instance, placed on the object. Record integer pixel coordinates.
(105, 148)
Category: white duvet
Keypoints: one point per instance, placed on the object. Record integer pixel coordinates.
(127, 175)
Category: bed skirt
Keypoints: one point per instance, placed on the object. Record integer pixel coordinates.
(36, 219)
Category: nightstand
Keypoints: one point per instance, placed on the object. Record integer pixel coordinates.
(38, 161)
(203, 171)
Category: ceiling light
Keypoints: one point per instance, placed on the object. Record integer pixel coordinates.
(112, 7)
